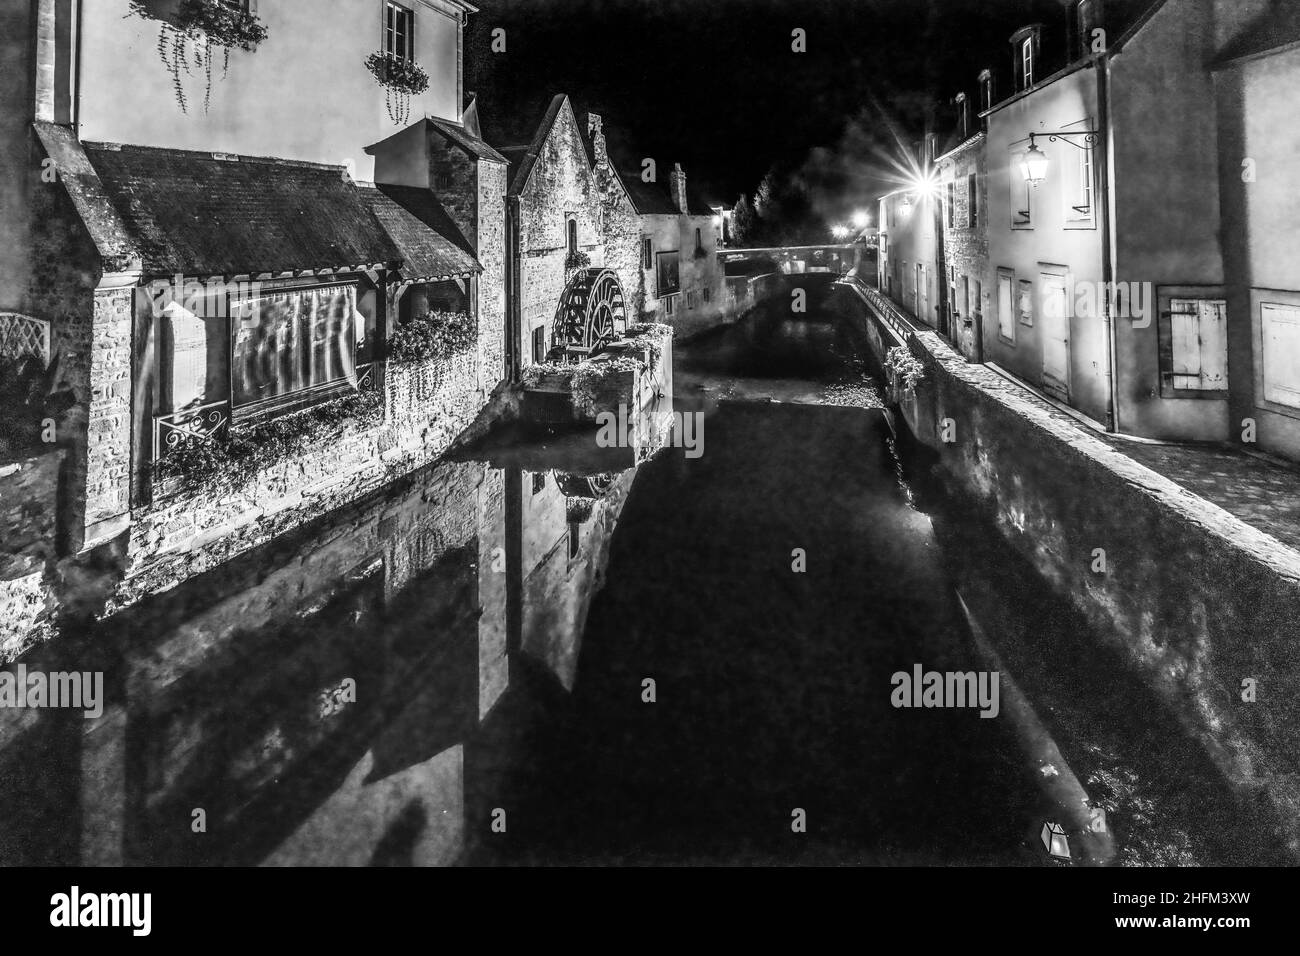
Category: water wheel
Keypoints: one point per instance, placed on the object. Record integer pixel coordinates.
(592, 309)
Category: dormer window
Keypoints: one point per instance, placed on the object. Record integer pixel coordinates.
(986, 90)
(399, 31)
(963, 116)
(1025, 43)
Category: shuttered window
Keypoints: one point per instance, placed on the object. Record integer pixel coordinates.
(1198, 329)
(1280, 328)
(1025, 302)
(1006, 308)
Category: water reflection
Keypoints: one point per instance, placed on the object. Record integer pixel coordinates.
(230, 735)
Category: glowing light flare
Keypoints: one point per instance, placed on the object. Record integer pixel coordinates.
(1034, 165)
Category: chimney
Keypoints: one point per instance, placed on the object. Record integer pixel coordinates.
(596, 130)
(677, 185)
(54, 78)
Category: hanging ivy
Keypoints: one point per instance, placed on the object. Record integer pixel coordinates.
(401, 79)
(199, 29)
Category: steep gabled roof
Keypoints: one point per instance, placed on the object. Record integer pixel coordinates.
(649, 199)
(466, 140)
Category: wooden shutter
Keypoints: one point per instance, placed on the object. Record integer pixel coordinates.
(1198, 330)
(1280, 327)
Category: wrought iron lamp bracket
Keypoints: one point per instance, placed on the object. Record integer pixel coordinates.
(1088, 136)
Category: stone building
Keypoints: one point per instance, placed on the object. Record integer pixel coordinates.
(205, 261)
(572, 234)
(1135, 268)
(679, 268)
(963, 184)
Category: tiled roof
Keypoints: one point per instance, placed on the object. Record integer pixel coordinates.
(649, 199)
(430, 243)
(195, 214)
(1277, 28)
(463, 138)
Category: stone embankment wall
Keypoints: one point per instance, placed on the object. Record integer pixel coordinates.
(28, 498)
(427, 406)
(1196, 600)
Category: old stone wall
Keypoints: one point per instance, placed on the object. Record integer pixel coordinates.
(108, 443)
(428, 405)
(561, 187)
(28, 498)
(1193, 598)
(966, 247)
(491, 250)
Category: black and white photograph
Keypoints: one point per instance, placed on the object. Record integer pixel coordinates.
(657, 435)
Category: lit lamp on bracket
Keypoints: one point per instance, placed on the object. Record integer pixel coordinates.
(1034, 164)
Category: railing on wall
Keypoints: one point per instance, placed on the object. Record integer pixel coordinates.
(210, 421)
(22, 335)
(890, 313)
(205, 423)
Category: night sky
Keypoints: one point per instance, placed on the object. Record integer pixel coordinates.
(713, 84)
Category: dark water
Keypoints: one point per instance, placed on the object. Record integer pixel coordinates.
(499, 616)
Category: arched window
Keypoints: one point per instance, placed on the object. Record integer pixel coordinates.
(573, 236)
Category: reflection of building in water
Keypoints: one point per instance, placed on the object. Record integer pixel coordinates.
(229, 694)
(568, 523)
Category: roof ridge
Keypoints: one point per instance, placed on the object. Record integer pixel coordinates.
(214, 155)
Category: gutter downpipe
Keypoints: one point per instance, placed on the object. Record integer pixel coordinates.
(1109, 253)
(513, 346)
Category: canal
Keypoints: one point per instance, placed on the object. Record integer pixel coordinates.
(544, 651)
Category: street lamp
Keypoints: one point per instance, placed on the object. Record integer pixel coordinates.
(840, 232)
(1034, 163)
(860, 220)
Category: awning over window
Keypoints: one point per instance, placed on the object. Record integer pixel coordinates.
(197, 214)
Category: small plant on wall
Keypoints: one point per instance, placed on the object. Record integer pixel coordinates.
(401, 79)
(190, 39)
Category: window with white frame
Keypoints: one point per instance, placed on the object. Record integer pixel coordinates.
(1280, 352)
(1006, 306)
(1021, 194)
(1027, 61)
(1080, 190)
(399, 31)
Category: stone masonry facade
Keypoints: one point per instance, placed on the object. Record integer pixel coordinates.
(563, 186)
(966, 244)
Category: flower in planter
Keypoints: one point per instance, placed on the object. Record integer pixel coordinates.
(577, 260)
(204, 25)
(401, 79)
(904, 370)
(437, 335)
(235, 457)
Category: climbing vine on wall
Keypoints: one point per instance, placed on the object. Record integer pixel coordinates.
(200, 31)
